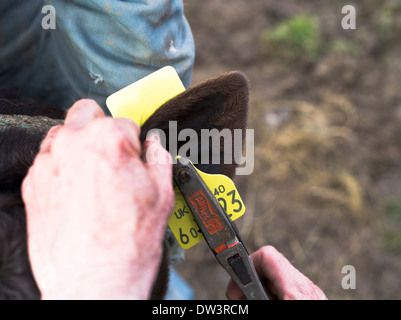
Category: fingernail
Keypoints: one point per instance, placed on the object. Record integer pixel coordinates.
(153, 136)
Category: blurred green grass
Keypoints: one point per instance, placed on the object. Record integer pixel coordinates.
(293, 39)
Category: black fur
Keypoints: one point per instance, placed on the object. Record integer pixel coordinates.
(18, 148)
(16, 280)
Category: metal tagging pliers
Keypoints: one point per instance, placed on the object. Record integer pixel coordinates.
(219, 232)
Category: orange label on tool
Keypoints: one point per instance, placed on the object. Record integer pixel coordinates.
(182, 222)
(206, 212)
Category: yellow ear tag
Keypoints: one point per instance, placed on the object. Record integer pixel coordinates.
(182, 222)
(141, 99)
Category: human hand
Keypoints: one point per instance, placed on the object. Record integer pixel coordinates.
(281, 278)
(96, 208)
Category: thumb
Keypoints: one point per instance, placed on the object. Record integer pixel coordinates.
(82, 113)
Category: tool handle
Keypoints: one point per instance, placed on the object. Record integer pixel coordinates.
(240, 267)
(220, 234)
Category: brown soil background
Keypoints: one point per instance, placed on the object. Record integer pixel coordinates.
(326, 189)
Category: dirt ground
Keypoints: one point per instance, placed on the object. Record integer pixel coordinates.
(326, 109)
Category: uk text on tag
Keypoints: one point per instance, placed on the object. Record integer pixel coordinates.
(182, 222)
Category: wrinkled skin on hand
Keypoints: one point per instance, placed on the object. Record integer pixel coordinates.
(97, 208)
(280, 277)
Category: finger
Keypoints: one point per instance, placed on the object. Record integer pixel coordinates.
(234, 292)
(262, 262)
(131, 132)
(152, 136)
(27, 193)
(266, 261)
(282, 278)
(154, 153)
(41, 170)
(82, 113)
(48, 140)
(269, 263)
(159, 163)
(274, 269)
(112, 138)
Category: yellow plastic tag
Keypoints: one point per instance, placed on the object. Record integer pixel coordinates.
(141, 99)
(182, 222)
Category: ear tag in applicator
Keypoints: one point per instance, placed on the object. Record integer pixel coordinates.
(182, 222)
(138, 102)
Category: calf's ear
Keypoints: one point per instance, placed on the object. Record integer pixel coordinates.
(218, 103)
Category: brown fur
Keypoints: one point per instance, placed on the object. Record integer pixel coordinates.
(220, 102)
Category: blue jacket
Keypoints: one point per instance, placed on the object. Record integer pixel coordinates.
(64, 50)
